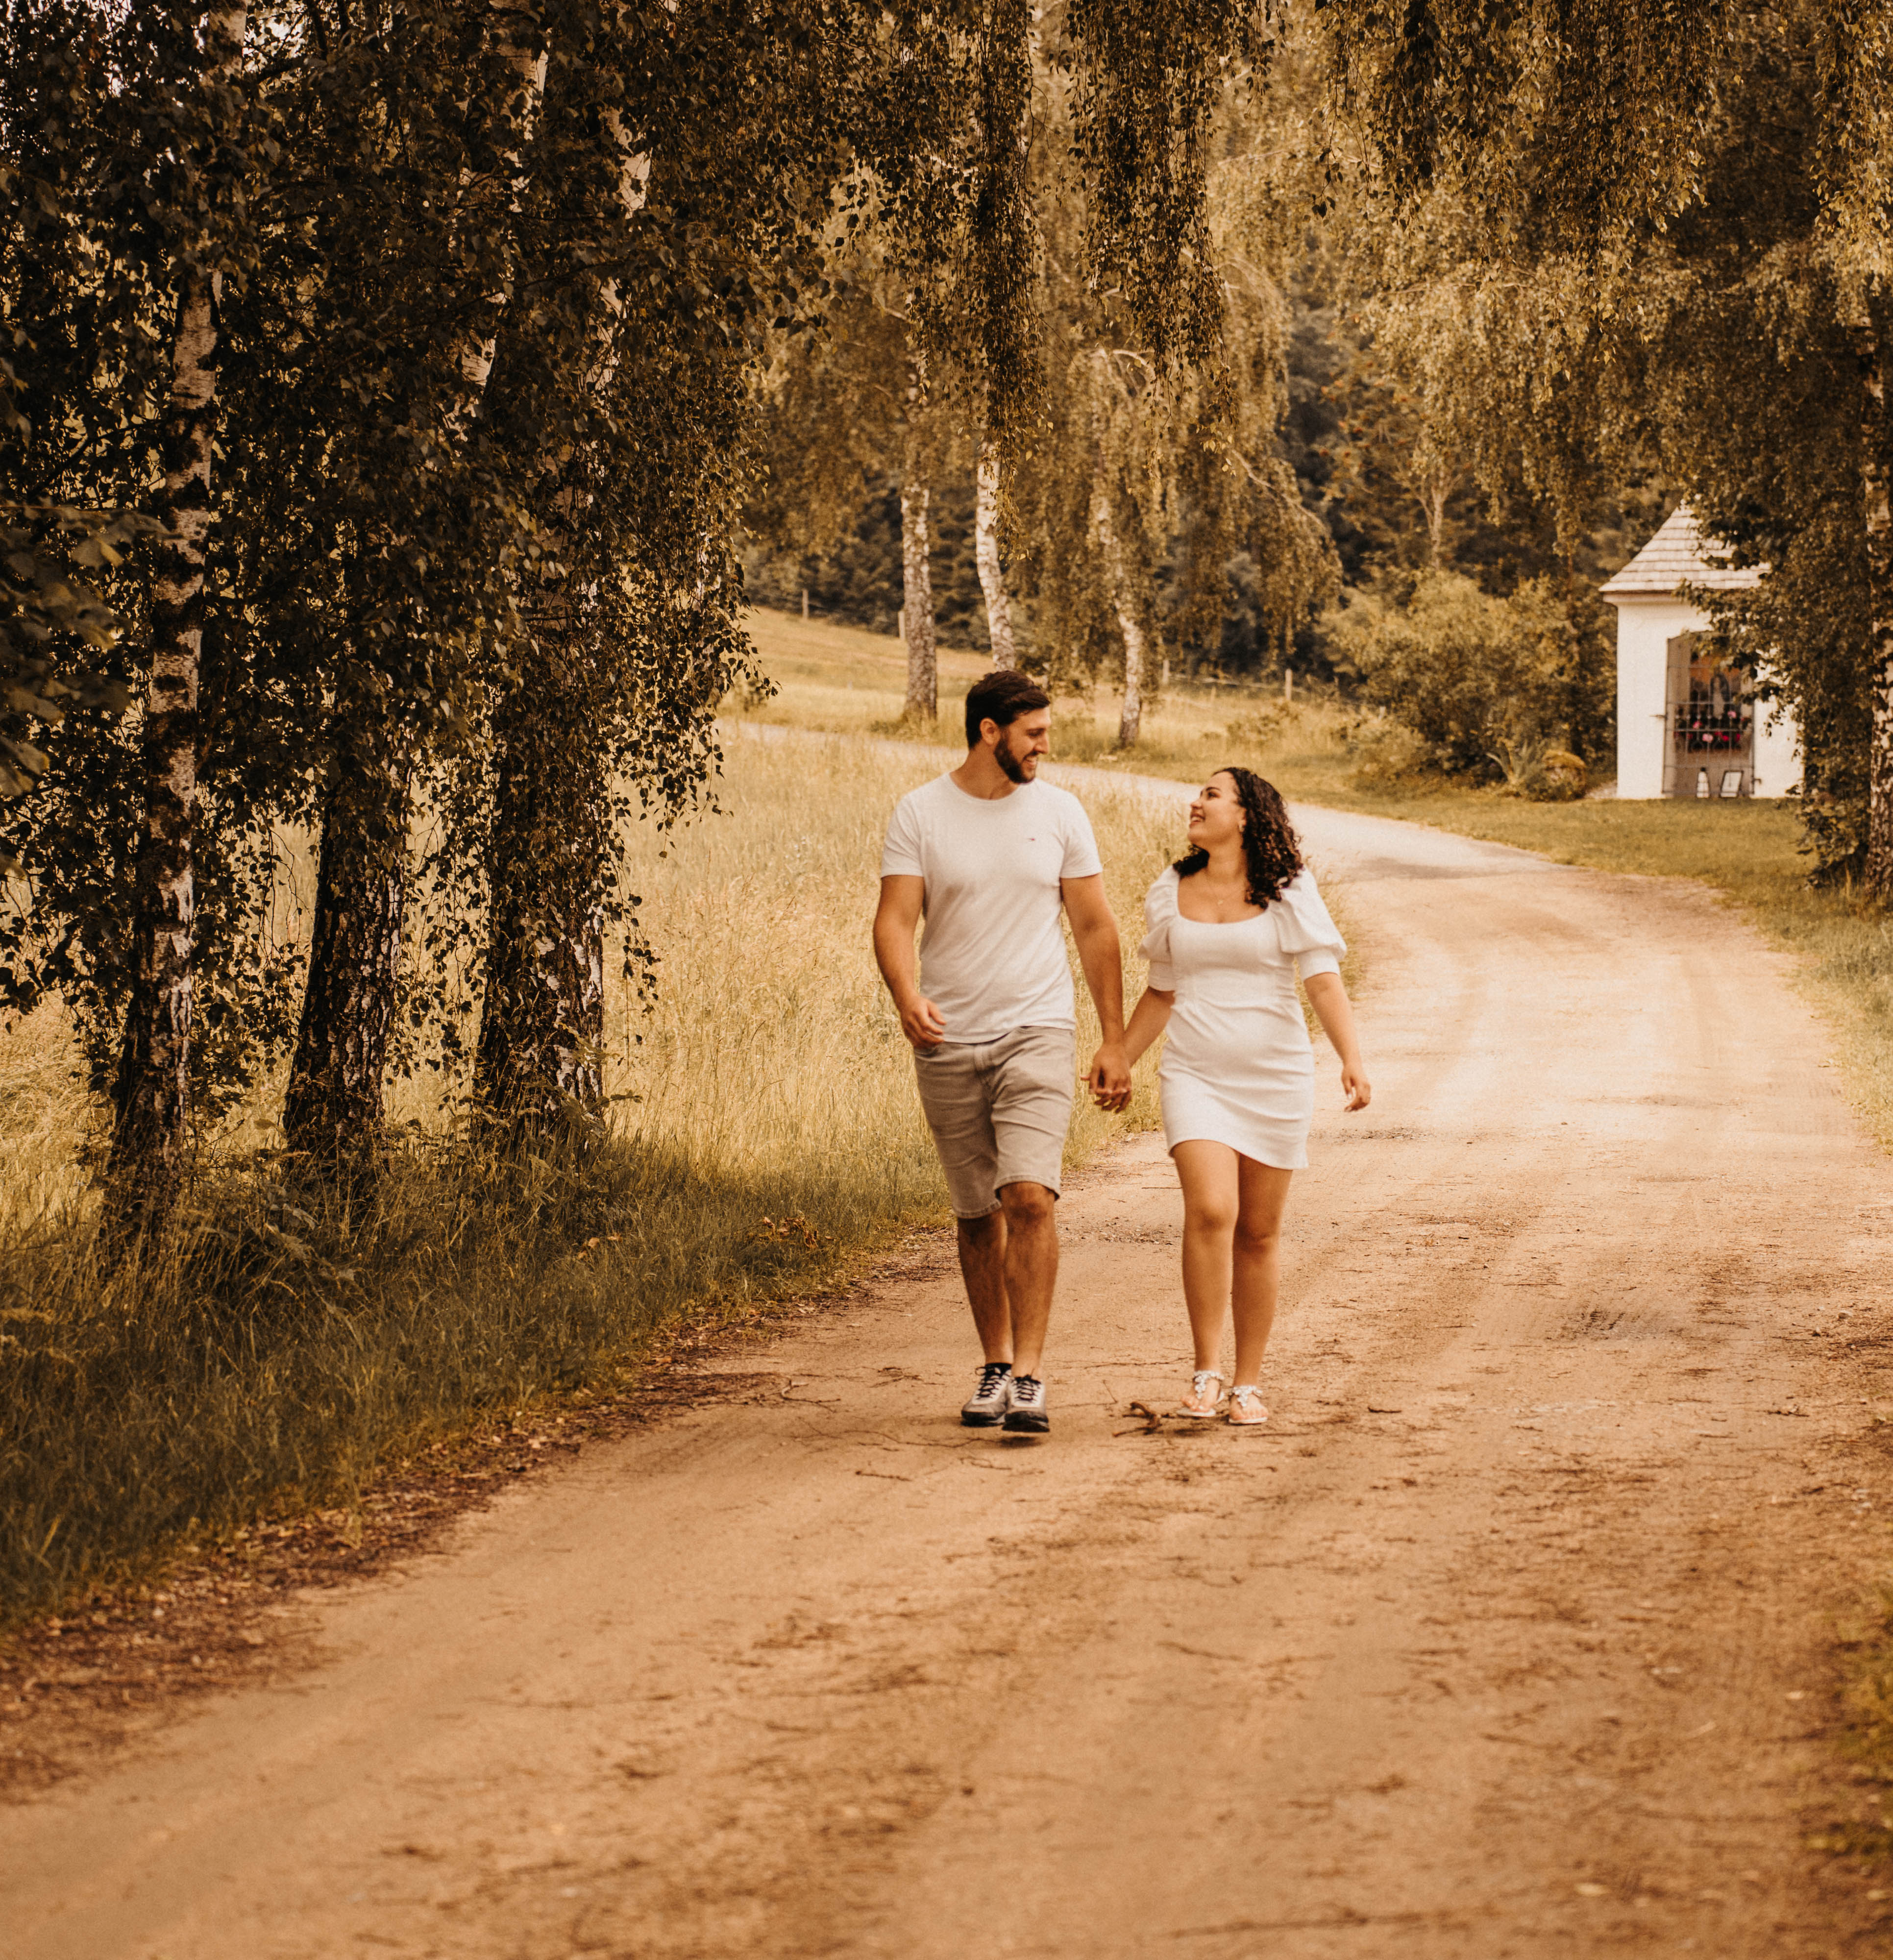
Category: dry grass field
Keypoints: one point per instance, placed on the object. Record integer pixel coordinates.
(765, 1137)
(772, 1043)
(834, 677)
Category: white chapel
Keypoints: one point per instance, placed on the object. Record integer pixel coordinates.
(1686, 726)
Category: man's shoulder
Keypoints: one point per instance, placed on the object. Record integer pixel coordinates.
(1070, 810)
(929, 795)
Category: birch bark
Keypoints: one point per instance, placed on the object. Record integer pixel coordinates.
(992, 580)
(1876, 470)
(1435, 489)
(528, 75)
(538, 1062)
(150, 1131)
(333, 1110)
(1124, 601)
(917, 582)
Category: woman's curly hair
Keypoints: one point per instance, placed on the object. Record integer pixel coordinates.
(1269, 841)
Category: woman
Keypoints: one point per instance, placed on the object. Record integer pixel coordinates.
(1229, 926)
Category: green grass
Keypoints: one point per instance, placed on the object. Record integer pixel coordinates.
(288, 1348)
(1745, 851)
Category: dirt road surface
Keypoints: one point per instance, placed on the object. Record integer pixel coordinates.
(1511, 1635)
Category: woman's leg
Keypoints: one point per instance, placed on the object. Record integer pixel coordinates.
(1211, 1201)
(1257, 1265)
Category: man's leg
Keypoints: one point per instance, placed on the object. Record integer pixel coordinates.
(982, 1265)
(1031, 1111)
(1030, 1248)
(954, 1096)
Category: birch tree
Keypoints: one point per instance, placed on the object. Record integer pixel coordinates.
(1004, 268)
(850, 406)
(332, 1107)
(918, 622)
(151, 1133)
(190, 229)
(1146, 451)
(992, 576)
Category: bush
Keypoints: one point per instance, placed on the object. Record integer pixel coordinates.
(1387, 753)
(1489, 687)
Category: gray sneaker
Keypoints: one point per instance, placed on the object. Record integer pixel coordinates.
(1027, 1412)
(986, 1407)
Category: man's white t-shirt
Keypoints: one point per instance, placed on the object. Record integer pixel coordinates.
(992, 955)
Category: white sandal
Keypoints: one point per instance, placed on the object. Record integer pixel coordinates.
(1245, 1407)
(1198, 1390)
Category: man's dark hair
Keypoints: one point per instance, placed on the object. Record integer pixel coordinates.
(1002, 696)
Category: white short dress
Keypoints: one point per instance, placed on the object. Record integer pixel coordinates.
(1238, 1068)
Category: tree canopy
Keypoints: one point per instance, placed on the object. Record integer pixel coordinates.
(377, 410)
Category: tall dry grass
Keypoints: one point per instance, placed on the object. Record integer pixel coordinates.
(836, 677)
(767, 1135)
(843, 680)
(772, 1043)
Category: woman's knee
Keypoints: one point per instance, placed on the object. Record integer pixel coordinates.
(1214, 1217)
(1258, 1239)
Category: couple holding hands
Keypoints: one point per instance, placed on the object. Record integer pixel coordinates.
(990, 857)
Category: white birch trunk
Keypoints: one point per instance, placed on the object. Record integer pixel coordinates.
(538, 1065)
(992, 581)
(333, 1106)
(917, 581)
(152, 1127)
(1437, 490)
(529, 72)
(1124, 602)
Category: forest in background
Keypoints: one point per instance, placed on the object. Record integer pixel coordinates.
(1466, 356)
(399, 403)
(1341, 433)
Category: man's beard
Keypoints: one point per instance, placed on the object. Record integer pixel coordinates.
(1008, 762)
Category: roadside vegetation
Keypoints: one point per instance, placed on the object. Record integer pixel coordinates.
(764, 1136)
(1319, 748)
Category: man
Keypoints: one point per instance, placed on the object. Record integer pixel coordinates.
(990, 855)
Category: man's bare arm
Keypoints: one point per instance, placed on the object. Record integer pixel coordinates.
(896, 919)
(1094, 927)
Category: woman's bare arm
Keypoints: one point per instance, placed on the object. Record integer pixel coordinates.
(1335, 1012)
(1147, 1021)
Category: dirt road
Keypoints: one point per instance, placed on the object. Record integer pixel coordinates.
(1511, 1636)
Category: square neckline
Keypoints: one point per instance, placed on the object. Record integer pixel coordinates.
(1261, 913)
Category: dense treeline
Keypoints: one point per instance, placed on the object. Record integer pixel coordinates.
(1545, 273)
(385, 391)
(1347, 430)
(372, 416)
(362, 310)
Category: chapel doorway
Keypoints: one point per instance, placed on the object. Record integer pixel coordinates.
(1711, 751)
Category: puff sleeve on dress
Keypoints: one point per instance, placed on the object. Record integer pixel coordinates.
(1308, 936)
(1160, 915)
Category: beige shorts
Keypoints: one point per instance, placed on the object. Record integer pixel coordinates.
(999, 1111)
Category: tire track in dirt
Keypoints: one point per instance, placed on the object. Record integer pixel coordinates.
(1511, 1635)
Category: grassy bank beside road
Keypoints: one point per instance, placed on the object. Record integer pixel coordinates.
(832, 677)
(765, 1137)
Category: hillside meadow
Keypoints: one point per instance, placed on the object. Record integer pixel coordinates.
(764, 1139)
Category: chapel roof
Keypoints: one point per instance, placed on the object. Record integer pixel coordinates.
(1675, 557)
